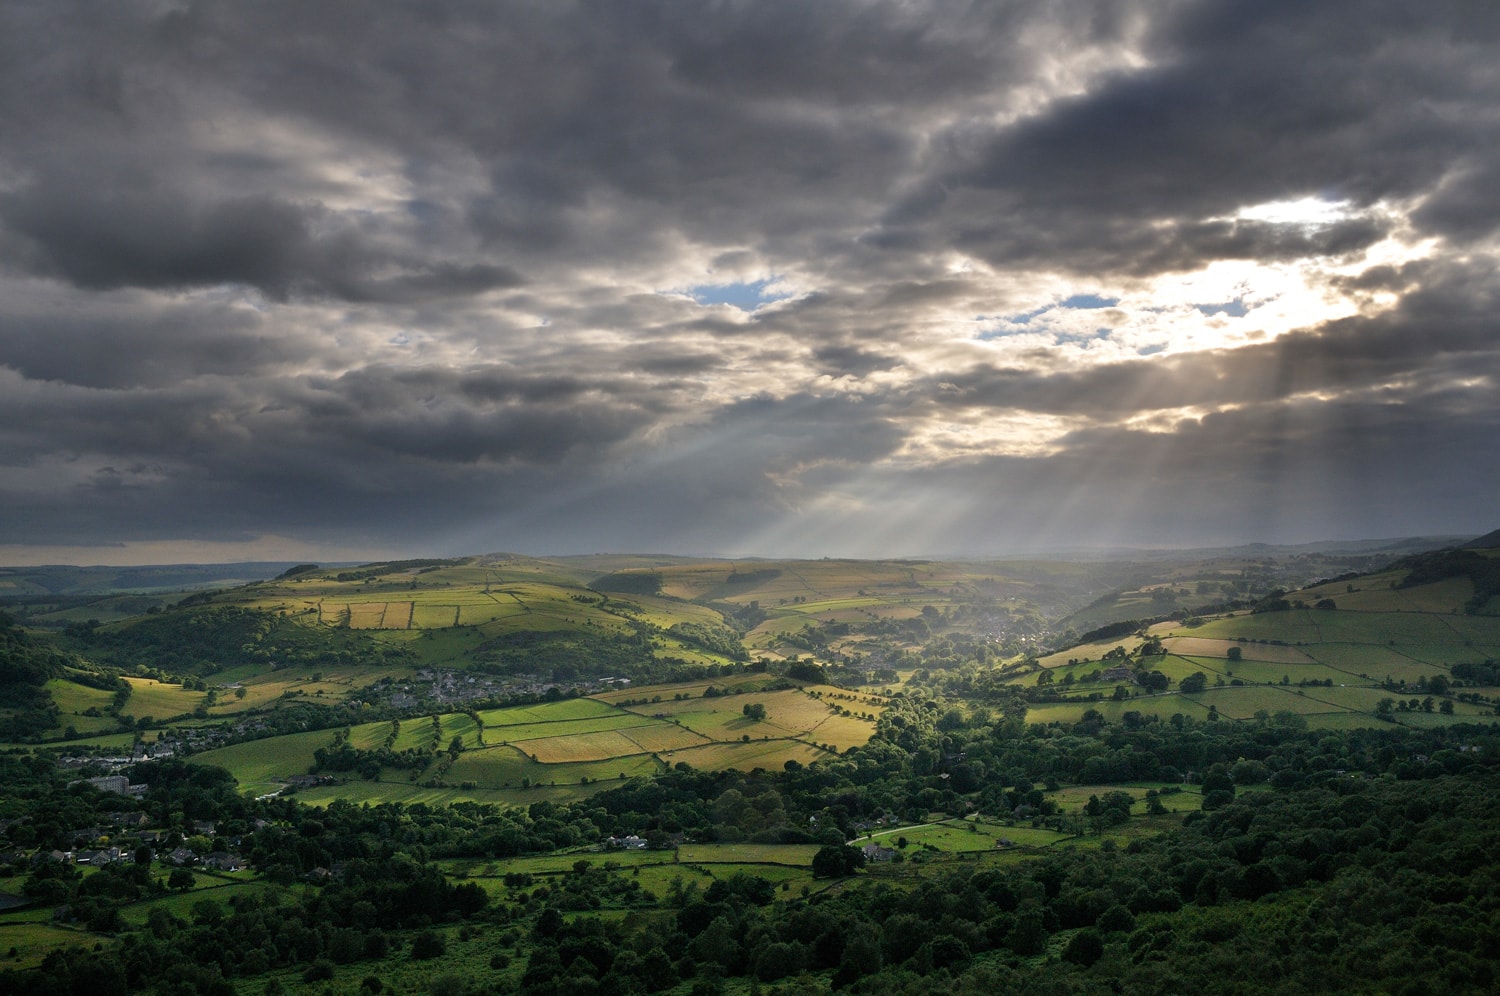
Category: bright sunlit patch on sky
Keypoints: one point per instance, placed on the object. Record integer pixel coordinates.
(980, 431)
(1226, 304)
(1313, 211)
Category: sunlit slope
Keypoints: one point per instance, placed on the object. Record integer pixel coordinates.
(1362, 650)
(447, 612)
(774, 600)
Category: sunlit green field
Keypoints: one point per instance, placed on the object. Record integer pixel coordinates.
(770, 755)
(260, 765)
(550, 712)
(73, 698)
(32, 942)
(154, 698)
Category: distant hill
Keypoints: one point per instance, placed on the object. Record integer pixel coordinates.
(1489, 541)
(60, 579)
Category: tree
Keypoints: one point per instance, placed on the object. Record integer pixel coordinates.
(754, 711)
(837, 861)
(1085, 948)
(181, 879)
(1235, 654)
(1194, 683)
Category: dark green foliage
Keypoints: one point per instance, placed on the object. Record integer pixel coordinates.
(837, 861)
(1113, 631)
(204, 638)
(713, 637)
(567, 655)
(428, 945)
(1084, 948)
(1426, 568)
(808, 671)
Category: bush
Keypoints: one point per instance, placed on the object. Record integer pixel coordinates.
(318, 971)
(427, 945)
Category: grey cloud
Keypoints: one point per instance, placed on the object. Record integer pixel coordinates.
(450, 175)
(153, 238)
(839, 360)
(127, 340)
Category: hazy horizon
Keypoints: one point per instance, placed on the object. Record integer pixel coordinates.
(1372, 544)
(279, 282)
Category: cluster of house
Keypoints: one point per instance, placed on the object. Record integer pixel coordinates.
(127, 836)
(168, 743)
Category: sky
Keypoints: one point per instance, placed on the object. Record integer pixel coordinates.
(351, 280)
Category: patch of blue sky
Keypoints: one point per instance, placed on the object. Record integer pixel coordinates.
(1088, 302)
(1234, 309)
(744, 296)
(1083, 336)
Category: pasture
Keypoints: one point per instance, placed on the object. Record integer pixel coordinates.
(1195, 646)
(530, 732)
(261, 766)
(597, 746)
(771, 755)
(547, 713)
(789, 712)
(842, 732)
(74, 699)
(798, 855)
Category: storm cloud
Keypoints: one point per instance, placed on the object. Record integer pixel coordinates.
(835, 278)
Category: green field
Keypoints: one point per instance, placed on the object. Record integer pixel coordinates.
(959, 836)
(31, 942)
(771, 755)
(551, 712)
(527, 732)
(799, 855)
(260, 766)
(155, 698)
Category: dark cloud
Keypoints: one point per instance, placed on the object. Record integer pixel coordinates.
(1248, 103)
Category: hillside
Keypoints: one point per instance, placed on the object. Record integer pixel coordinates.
(869, 775)
(313, 640)
(1414, 644)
